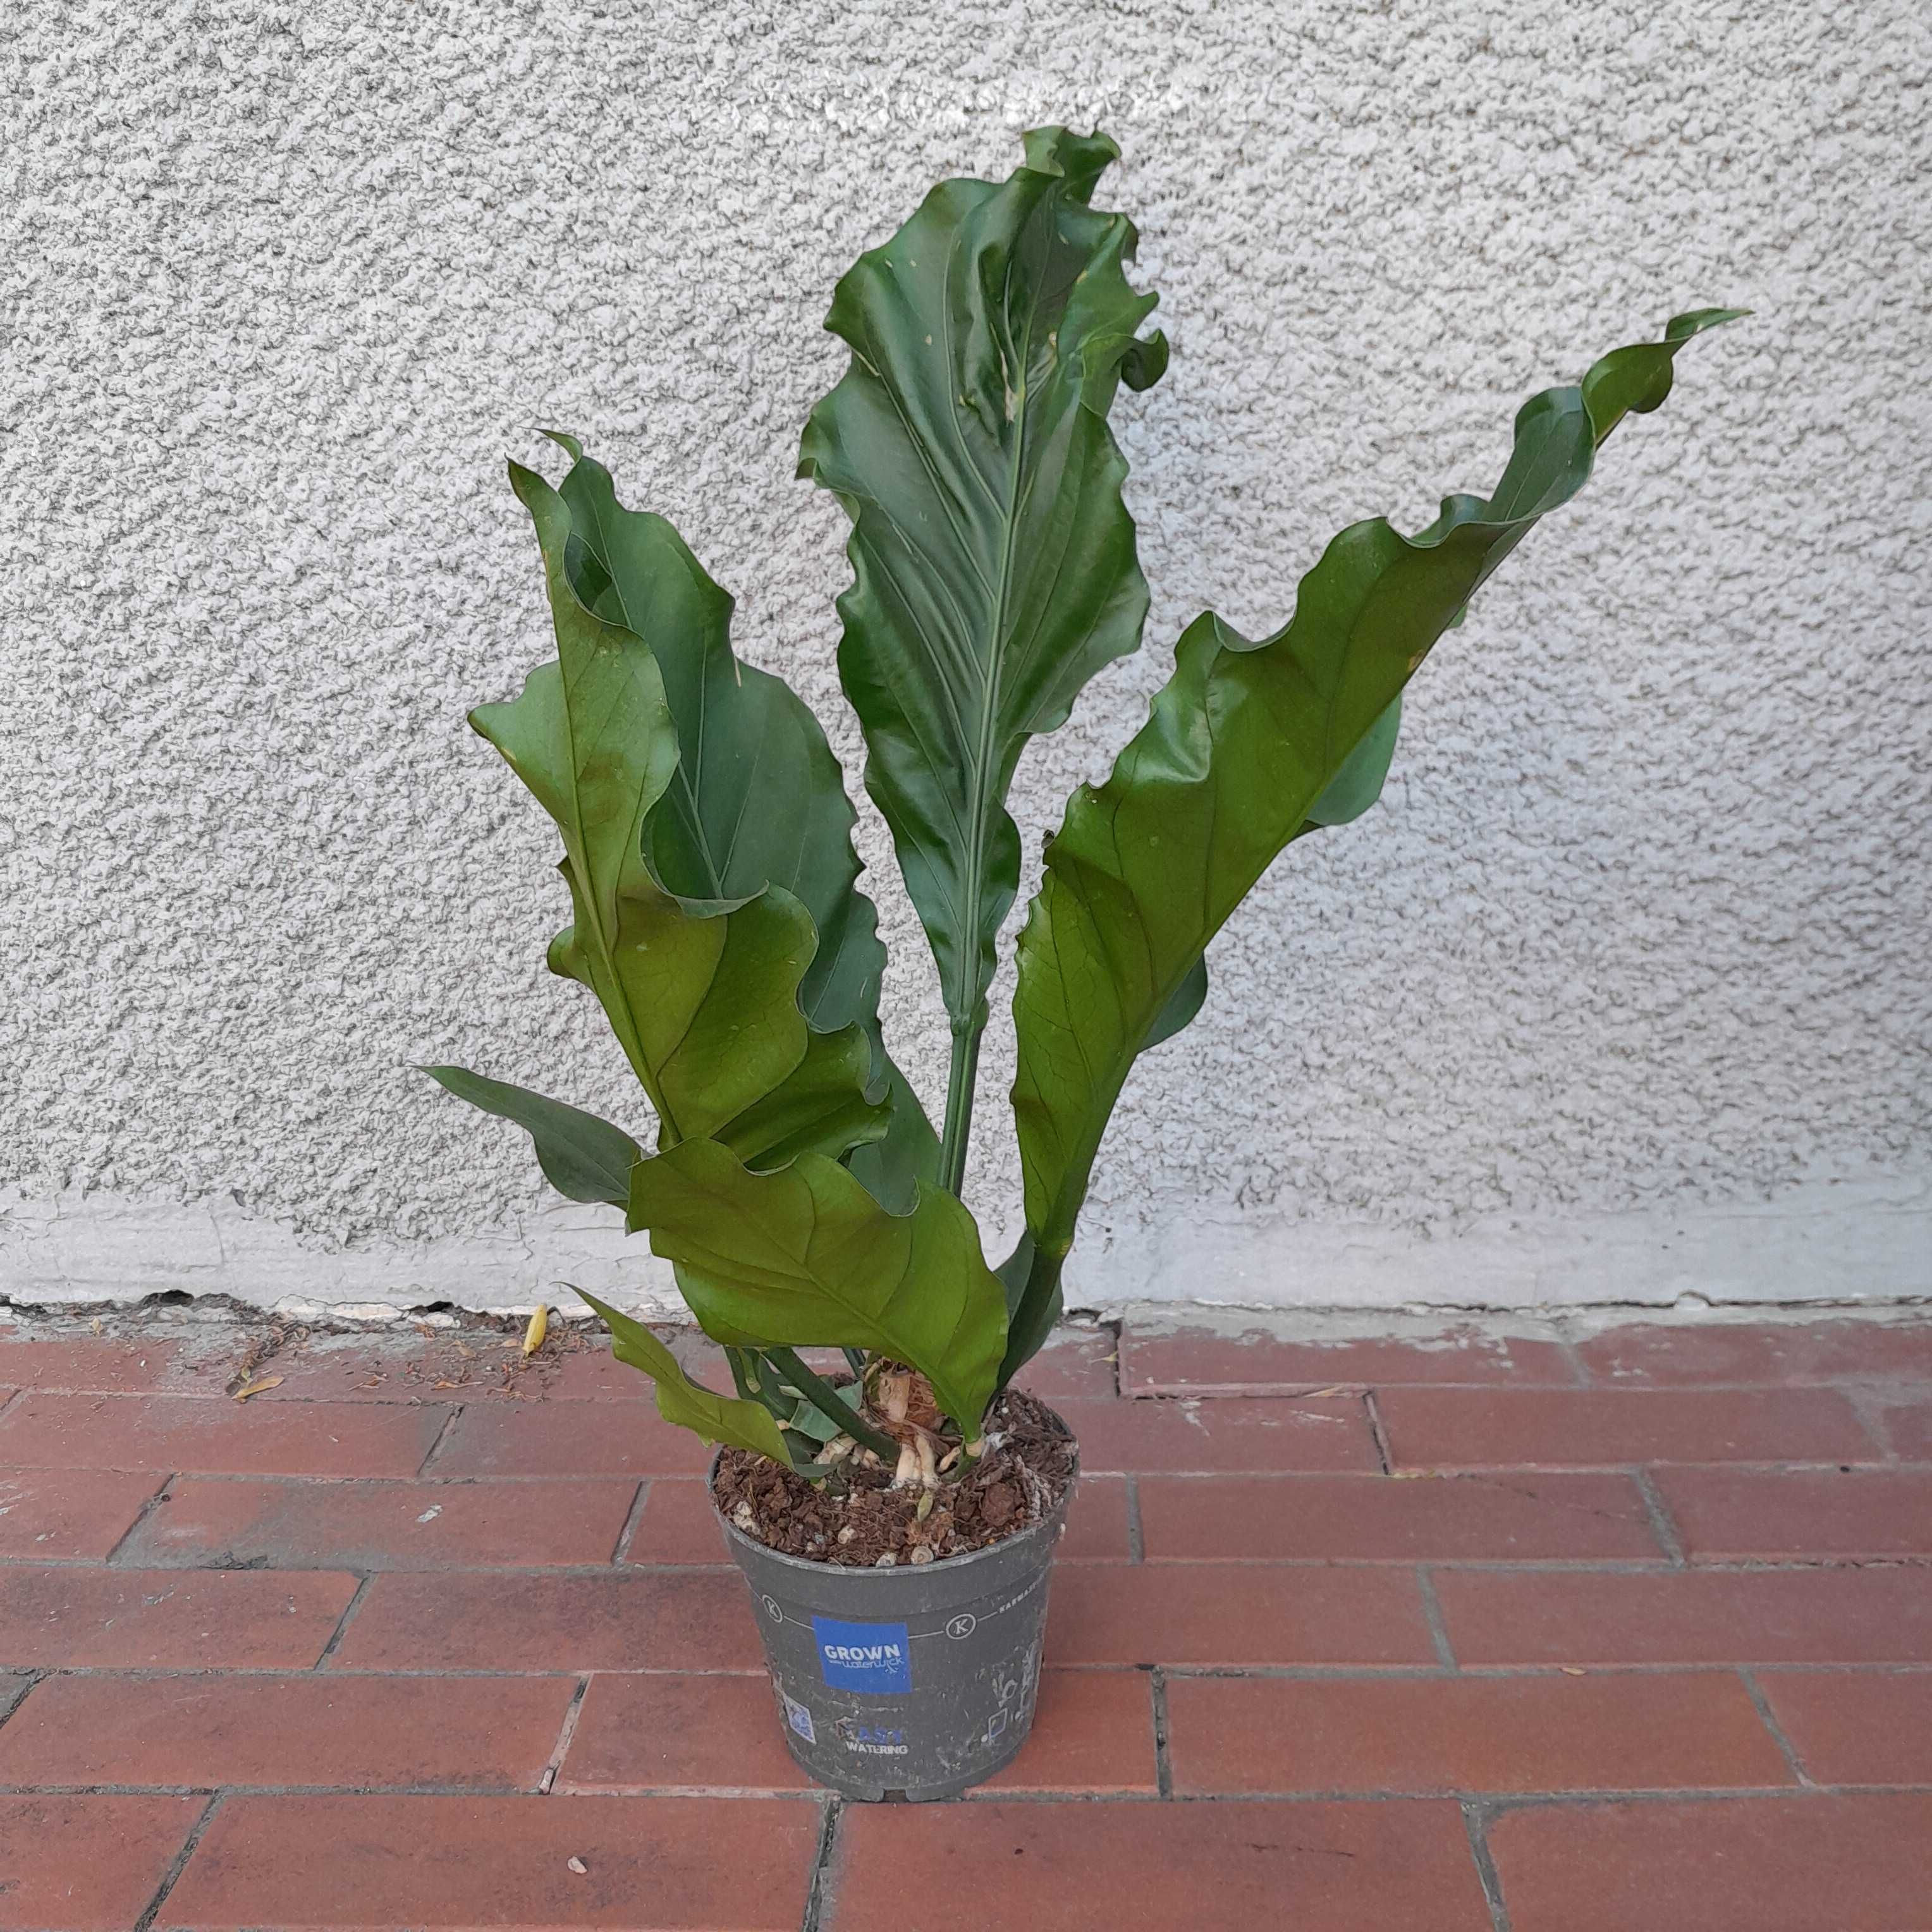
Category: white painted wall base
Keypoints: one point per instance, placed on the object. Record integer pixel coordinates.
(1822, 1241)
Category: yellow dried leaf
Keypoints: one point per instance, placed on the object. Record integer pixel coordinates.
(533, 1335)
(255, 1387)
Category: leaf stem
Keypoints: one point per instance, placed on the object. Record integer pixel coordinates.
(960, 1080)
(829, 1403)
(752, 1386)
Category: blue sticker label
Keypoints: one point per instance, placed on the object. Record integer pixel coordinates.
(863, 1656)
(799, 1719)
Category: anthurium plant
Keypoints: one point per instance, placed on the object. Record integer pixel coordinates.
(793, 1179)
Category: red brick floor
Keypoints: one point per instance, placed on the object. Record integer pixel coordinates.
(1549, 1628)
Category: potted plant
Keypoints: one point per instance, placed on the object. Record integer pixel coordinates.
(896, 1516)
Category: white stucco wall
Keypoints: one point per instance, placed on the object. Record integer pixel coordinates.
(1621, 994)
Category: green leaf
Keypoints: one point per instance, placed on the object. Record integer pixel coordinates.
(1246, 744)
(582, 1157)
(703, 993)
(717, 1418)
(806, 1258)
(893, 1168)
(758, 800)
(993, 563)
(1357, 786)
(1186, 1001)
(809, 1421)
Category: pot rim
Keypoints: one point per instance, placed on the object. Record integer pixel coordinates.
(1048, 1528)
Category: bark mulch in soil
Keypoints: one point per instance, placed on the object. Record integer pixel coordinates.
(1029, 1463)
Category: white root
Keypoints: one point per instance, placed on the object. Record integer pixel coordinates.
(907, 1472)
(928, 1465)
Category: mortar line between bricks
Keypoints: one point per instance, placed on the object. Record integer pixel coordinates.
(1432, 1615)
(9, 1704)
(1655, 1567)
(1446, 1472)
(356, 1598)
(1136, 1532)
(1299, 1390)
(1476, 1823)
(1370, 1673)
(449, 1422)
(1662, 1524)
(1877, 1382)
(1491, 1802)
(1490, 1472)
(1768, 1718)
(141, 1516)
(625, 1536)
(1864, 1402)
(170, 1877)
(1163, 1732)
(1578, 1367)
(820, 1894)
(1378, 1429)
(566, 1732)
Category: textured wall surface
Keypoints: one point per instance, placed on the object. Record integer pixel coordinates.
(1623, 986)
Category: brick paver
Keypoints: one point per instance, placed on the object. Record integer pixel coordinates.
(614, 1620)
(1773, 1354)
(86, 1863)
(568, 1439)
(342, 1861)
(1161, 1868)
(1371, 1519)
(210, 1729)
(214, 1436)
(1202, 1362)
(1737, 1514)
(1633, 1625)
(1553, 1429)
(406, 1526)
(1812, 1615)
(1694, 1731)
(73, 1618)
(1330, 1432)
(1822, 1863)
(1855, 1727)
(51, 1513)
(1905, 1425)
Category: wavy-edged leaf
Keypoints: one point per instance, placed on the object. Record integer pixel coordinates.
(758, 800)
(717, 1418)
(583, 1157)
(1243, 745)
(701, 992)
(1358, 783)
(806, 1258)
(993, 563)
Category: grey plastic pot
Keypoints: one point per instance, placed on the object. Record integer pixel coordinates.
(908, 1682)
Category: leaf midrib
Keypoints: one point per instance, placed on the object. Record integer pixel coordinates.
(961, 1007)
